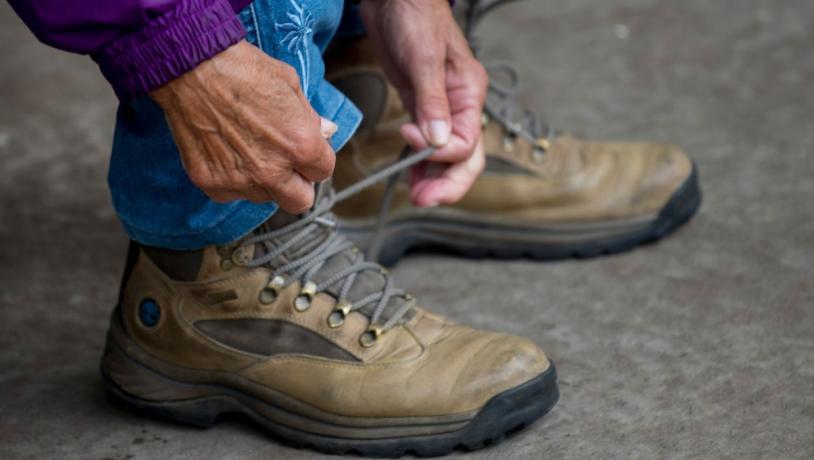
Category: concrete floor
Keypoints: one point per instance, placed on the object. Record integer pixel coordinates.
(700, 346)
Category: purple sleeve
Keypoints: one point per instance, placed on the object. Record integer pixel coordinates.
(138, 44)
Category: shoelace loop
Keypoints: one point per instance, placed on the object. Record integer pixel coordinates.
(303, 267)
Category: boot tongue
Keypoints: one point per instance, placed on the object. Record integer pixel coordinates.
(279, 220)
(366, 282)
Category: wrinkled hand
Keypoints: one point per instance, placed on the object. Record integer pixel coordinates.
(428, 60)
(246, 131)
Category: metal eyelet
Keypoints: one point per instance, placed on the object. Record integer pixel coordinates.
(508, 143)
(269, 293)
(338, 315)
(542, 144)
(306, 295)
(241, 256)
(370, 336)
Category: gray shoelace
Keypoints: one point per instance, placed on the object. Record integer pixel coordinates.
(500, 103)
(310, 230)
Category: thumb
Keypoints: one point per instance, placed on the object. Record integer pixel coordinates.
(432, 105)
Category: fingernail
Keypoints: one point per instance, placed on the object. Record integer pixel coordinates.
(439, 132)
(327, 127)
(432, 204)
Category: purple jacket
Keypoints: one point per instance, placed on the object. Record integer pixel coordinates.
(138, 44)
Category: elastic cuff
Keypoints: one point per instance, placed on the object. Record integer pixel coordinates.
(169, 46)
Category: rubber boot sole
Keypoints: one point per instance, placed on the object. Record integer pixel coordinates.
(203, 404)
(466, 235)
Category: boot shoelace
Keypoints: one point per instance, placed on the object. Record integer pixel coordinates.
(309, 229)
(501, 107)
(501, 104)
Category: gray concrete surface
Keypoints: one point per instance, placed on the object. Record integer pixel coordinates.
(699, 347)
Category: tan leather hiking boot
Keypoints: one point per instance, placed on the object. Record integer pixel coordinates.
(293, 328)
(543, 194)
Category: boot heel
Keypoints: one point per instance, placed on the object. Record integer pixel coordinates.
(150, 393)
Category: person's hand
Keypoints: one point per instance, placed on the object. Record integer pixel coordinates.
(246, 131)
(428, 60)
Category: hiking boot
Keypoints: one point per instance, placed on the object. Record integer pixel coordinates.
(293, 328)
(544, 194)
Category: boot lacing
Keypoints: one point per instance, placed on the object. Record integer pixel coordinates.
(309, 229)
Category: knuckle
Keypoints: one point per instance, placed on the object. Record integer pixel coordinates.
(329, 163)
(310, 150)
(321, 173)
(306, 203)
(301, 208)
(323, 165)
(298, 203)
(307, 144)
(305, 198)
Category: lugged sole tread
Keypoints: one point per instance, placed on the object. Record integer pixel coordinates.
(679, 210)
(504, 415)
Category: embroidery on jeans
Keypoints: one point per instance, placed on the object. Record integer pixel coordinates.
(256, 26)
(298, 33)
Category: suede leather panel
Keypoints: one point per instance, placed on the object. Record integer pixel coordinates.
(271, 337)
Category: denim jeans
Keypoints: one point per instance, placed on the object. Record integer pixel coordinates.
(152, 195)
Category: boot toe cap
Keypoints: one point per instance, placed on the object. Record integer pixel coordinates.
(498, 364)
